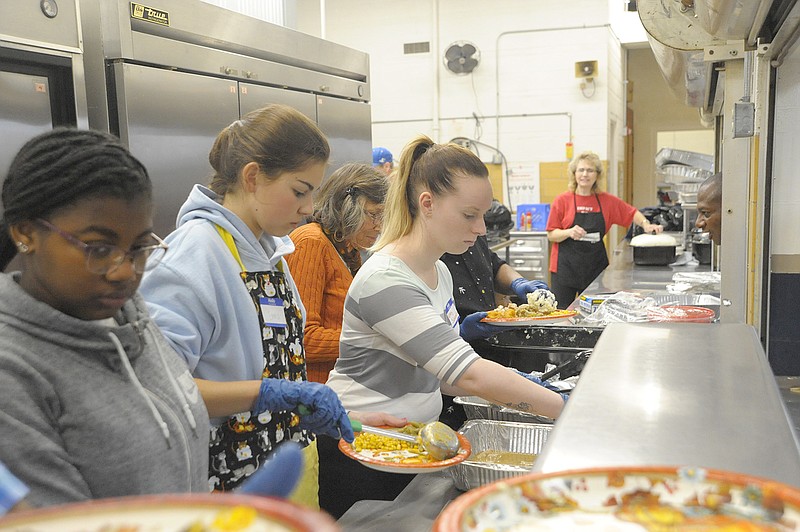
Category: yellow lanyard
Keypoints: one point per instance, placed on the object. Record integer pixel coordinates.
(229, 242)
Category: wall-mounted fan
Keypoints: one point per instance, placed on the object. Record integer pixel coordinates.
(461, 57)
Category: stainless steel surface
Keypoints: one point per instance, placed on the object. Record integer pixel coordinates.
(252, 97)
(484, 435)
(676, 394)
(161, 121)
(24, 22)
(168, 89)
(24, 112)
(348, 126)
(528, 254)
(41, 73)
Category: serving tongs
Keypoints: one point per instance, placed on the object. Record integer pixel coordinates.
(569, 368)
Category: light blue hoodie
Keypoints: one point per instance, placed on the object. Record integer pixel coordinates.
(197, 297)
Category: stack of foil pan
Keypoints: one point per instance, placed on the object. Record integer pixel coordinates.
(485, 435)
(477, 408)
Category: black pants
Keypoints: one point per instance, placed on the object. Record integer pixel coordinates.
(564, 290)
(343, 481)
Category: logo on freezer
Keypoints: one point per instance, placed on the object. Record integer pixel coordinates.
(149, 14)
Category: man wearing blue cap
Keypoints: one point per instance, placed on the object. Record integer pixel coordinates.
(382, 160)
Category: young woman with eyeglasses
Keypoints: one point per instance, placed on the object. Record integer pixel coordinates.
(94, 402)
(346, 221)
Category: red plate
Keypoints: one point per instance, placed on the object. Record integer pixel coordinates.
(681, 313)
(464, 450)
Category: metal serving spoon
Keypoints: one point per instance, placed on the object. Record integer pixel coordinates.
(439, 440)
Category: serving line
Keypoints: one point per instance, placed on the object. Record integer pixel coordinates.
(677, 394)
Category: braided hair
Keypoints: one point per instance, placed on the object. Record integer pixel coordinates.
(61, 167)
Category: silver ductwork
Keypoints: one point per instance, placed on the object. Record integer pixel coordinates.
(690, 43)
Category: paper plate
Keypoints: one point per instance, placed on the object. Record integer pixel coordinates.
(384, 461)
(681, 313)
(173, 513)
(626, 499)
(529, 321)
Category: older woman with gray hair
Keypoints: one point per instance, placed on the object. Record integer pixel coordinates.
(347, 219)
(579, 219)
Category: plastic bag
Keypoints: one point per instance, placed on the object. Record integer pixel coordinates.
(625, 307)
(499, 221)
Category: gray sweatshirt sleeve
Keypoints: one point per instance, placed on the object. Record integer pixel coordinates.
(32, 447)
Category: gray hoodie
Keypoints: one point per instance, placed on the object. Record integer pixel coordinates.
(89, 410)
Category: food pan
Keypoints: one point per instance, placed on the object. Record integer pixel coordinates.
(477, 408)
(484, 434)
(654, 255)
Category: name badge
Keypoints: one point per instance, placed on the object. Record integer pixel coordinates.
(272, 311)
(451, 312)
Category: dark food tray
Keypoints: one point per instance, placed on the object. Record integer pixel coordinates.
(654, 255)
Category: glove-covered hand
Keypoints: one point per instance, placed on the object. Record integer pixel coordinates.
(545, 384)
(522, 287)
(278, 476)
(323, 412)
(472, 328)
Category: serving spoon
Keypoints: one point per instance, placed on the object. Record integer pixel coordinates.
(439, 440)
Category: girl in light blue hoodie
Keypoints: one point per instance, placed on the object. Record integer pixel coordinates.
(225, 299)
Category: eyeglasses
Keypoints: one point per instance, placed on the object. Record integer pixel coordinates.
(586, 170)
(105, 258)
(376, 217)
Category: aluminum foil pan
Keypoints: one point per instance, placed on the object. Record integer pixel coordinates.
(484, 434)
(477, 408)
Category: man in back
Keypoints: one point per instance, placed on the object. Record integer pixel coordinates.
(709, 207)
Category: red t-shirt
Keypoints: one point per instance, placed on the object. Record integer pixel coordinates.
(562, 214)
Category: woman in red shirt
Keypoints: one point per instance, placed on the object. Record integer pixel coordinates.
(579, 218)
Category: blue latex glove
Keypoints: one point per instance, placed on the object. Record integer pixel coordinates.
(278, 476)
(472, 328)
(323, 412)
(537, 380)
(522, 287)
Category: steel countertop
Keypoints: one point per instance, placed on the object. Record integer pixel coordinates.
(676, 394)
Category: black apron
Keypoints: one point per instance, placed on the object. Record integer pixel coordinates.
(580, 262)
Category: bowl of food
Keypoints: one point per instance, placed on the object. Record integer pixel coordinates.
(173, 513)
(626, 499)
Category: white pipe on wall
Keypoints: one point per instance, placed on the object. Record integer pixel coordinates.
(435, 128)
(322, 22)
(497, 67)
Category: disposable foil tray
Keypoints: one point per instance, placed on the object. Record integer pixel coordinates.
(477, 408)
(485, 434)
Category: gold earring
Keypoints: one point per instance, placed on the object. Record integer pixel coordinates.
(23, 248)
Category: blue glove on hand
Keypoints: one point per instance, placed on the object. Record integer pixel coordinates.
(472, 328)
(545, 384)
(323, 412)
(278, 476)
(522, 287)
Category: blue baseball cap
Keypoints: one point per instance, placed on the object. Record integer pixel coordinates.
(380, 156)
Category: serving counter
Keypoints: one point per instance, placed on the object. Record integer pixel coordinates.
(666, 394)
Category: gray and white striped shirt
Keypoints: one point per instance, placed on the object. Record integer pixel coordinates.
(399, 340)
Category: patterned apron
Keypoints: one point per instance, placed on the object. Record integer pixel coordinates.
(241, 444)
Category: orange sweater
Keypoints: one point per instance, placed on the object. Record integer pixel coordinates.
(323, 279)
